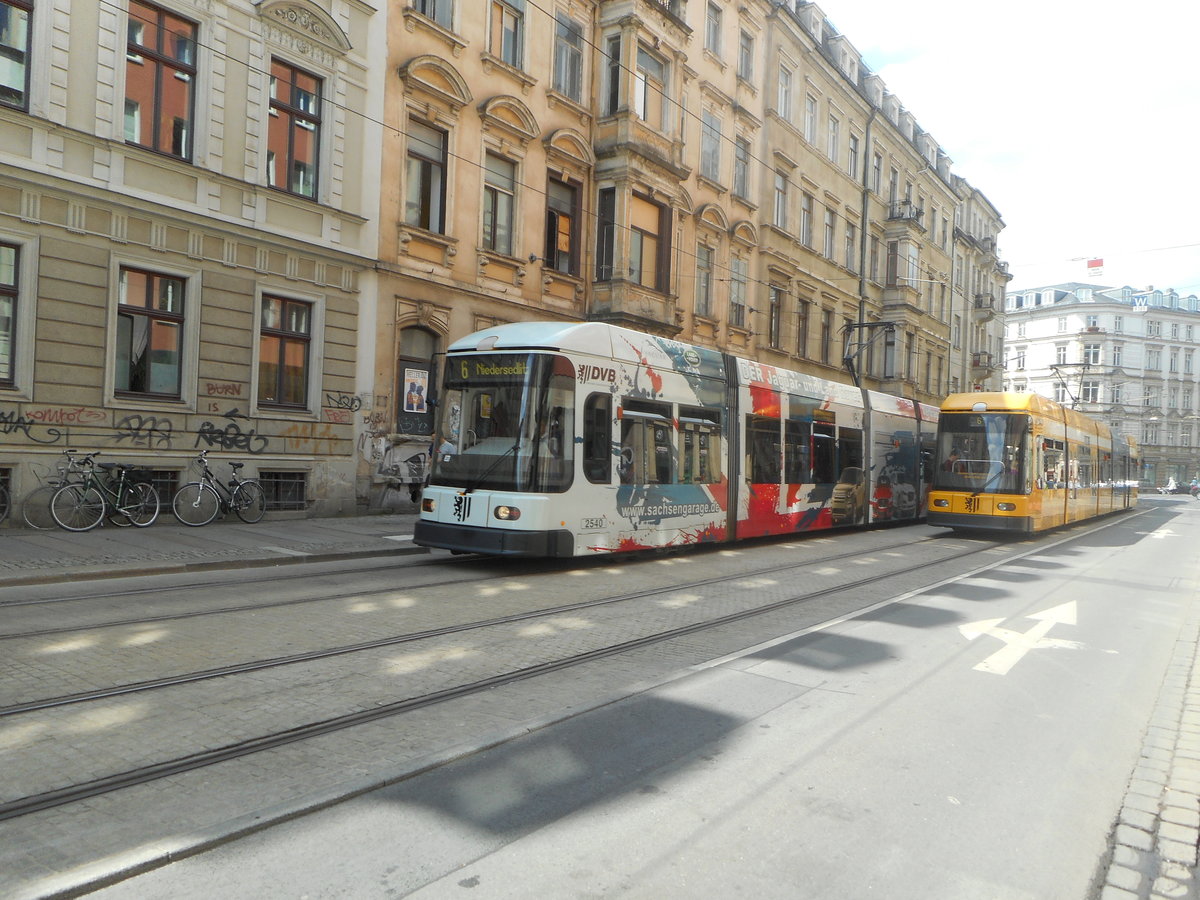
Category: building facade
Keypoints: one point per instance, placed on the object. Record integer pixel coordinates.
(724, 173)
(254, 226)
(1130, 358)
(187, 225)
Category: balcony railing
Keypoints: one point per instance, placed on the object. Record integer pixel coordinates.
(982, 360)
(906, 210)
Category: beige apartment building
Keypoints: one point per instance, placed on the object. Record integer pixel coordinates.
(188, 195)
(253, 226)
(725, 173)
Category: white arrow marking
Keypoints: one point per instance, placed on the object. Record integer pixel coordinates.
(1016, 644)
(1159, 534)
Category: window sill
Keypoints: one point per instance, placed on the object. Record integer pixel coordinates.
(495, 63)
(414, 20)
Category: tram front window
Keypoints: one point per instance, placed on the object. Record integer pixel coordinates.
(985, 453)
(506, 421)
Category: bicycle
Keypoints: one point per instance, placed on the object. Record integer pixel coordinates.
(35, 507)
(127, 501)
(198, 502)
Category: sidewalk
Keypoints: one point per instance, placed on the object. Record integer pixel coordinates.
(32, 556)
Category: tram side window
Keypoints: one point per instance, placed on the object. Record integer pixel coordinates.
(646, 443)
(762, 449)
(824, 455)
(850, 448)
(1054, 463)
(700, 446)
(797, 445)
(597, 438)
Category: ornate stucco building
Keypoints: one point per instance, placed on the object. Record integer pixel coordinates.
(188, 198)
(252, 226)
(1130, 358)
(729, 174)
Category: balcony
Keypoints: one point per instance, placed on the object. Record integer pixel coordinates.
(985, 307)
(983, 361)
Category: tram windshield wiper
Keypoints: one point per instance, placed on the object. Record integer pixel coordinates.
(488, 471)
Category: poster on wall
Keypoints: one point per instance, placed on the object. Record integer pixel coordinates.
(416, 386)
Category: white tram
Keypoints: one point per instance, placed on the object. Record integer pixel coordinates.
(567, 439)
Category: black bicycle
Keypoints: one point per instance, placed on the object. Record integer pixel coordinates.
(116, 490)
(198, 502)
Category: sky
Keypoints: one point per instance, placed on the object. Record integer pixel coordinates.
(1079, 122)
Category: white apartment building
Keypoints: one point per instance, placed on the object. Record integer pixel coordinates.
(1128, 357)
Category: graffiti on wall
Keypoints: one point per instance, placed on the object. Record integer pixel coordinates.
(231, 435)
(144, 431)
(15, 423)
(310, 437)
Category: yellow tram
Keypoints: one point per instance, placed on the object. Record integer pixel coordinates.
(1023, 463)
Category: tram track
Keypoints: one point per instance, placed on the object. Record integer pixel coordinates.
(182, 763)
(366, 596)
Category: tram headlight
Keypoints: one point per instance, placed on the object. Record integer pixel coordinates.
(427, 504)
(507, 513)
(941, 504)
(1006, 507)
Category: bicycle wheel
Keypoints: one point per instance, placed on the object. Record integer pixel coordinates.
(35, 508)
(195, 504)
(77, 507)
(249, 501)
(140, 503)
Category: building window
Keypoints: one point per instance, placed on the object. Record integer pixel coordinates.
(562, 227)
(827, 335)
(802, 307)
(1060, 354)
(834, 138)
(648, 247)
(1118, 351)
(852, 159)
(160, 78)
(710, 146)
(149, 351)
(1060, 393)
(1062, 324)
(1153, 328)
(774, 315)
(704, 273)
(425, 196)
(1090, 392)
(1092, 321)
(806, 219)
(851, 247)
(14, 52)
(745, 68)
(781, 197)
(1117, 393)
(650, 88)
(10, 256)
(1187, 362)
(741, 168)
(830, 233)
(1118, 324)
(877, 172)
(712, 29)
(1173, 361)
(783, 98)
(284, 490)
(508, 32)
(606, 233)
(293, 131)
(568, 57)
(612, 101)
(285, 333)
(499, 195)
(810, 118)
(739, 279)
(441, 11)
(1091, 354)
(1019, 359)
(1153, 359)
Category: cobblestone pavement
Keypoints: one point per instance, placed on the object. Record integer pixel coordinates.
(31, 556)
(1154, 842)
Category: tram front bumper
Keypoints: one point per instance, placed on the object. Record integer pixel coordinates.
(979, 522)
(493, 541)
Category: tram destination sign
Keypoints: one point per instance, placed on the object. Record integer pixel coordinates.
(505, 368)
